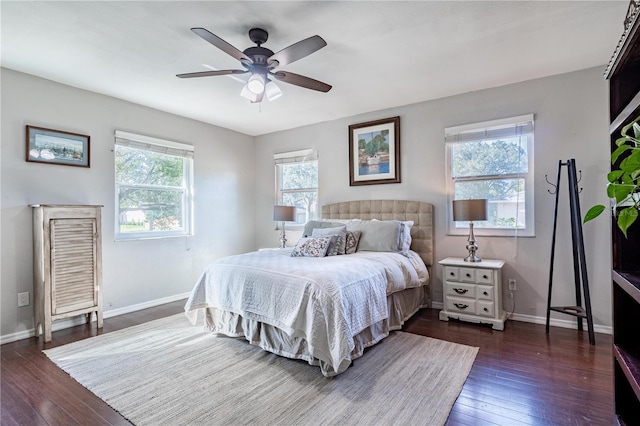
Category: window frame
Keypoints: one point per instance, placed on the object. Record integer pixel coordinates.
(176, 149)
(299, 156)
(495, 127)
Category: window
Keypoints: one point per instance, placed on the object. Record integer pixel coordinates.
(297, 183)
(493, 160)
(154, 190)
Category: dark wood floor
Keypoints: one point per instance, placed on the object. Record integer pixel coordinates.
(520, 376)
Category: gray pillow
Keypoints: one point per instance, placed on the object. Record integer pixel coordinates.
(377, 235)
(312, 224)
(340, 232)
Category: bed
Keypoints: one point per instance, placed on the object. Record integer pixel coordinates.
(324, 310)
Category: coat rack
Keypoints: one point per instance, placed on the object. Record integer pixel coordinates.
(579, 261)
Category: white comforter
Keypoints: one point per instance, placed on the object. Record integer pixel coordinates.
(325, 301)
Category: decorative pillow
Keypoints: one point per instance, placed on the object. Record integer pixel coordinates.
(377, 235)
(312, 224)
(352, 242)
(340, 232)
(311, 247)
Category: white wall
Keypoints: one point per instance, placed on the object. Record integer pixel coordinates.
(135, 272)
(571, 121)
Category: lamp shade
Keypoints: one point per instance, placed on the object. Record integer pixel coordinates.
(470, 210)
(284, 213)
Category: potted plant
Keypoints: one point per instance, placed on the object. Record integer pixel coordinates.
(624, 179)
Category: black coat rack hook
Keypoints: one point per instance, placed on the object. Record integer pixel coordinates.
(579, 179)
(555, 187)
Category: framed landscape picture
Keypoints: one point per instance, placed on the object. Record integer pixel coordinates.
(57, 147)
(374, 152)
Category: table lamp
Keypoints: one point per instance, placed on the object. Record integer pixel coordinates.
(470, 210)
(284, 214)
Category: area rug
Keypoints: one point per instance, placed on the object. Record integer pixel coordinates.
(168, 372)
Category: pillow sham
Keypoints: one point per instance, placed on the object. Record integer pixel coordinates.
(377, 235)
(312, 224)
(336, 247)
(405, 237)
(311, 247)
(351, 243)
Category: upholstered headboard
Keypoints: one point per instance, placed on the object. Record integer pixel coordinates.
(420, 213)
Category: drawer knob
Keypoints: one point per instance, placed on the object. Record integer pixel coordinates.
(485, 293)
(486, 310)
(460, 290)
(451, 273)
(460, 305)
(469, 275)
(485, 277)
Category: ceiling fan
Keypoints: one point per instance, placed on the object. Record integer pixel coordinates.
(262, 63)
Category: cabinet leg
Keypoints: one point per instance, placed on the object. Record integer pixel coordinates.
(47, 333)
(99, 319)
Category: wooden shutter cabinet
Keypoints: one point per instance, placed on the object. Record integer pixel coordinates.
(67, 255)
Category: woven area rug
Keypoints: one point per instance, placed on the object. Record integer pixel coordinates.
(168, 372)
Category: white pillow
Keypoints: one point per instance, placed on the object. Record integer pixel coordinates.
(405, 237)
(311, 247)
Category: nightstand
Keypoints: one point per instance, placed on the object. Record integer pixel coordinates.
(473, 291)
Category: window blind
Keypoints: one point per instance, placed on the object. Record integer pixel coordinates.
(488, 130)
(149, 143)
(296, 156)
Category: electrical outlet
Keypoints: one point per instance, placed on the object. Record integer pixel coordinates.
(23, 299)
(512, 284)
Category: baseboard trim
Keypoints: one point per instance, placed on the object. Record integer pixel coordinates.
(79, 320)
(605, 329)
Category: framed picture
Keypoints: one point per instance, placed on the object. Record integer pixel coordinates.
(374, 152)
(57, 147)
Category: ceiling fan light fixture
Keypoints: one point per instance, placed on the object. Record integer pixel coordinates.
(256, 84)
(248, 94)
(272, 91)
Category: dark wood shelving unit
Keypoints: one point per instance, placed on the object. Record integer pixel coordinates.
(623, 74)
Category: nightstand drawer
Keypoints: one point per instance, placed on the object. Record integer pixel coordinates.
(451, 273)
(484, 276)
(486, 309)
(461, 290)
(467, 275)
(484, 292)
(461, 305)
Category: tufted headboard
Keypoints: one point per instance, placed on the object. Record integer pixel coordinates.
(420, 213)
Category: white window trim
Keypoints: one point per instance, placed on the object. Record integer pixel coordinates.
(491, 129)
(167, 147)
(299, 156)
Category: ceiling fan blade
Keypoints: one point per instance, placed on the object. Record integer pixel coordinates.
(298, 50)
(302, 81)
(221, 44)
(211, 73)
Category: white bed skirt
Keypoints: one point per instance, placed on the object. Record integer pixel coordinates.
(402, 306)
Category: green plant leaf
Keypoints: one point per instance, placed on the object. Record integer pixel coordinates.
(622, 141)
(621, 149)
(593, 212)
(631, 163)
(620, 192)
(614, 176)
(626, 128)
(626, 217)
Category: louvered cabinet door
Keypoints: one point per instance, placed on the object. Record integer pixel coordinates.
(67, 270)
(73, 265)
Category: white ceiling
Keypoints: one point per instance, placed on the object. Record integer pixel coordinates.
(379, 54)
